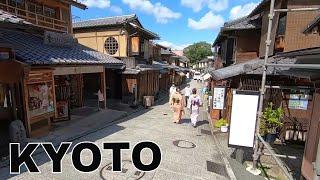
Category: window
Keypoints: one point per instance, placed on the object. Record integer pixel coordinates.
(282, 25)
(17, 3)
(111, 45)
(49, 12)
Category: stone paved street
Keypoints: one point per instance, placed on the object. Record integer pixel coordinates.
(154, 124)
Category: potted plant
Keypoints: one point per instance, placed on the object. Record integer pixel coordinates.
(222, 124)
(271, 122)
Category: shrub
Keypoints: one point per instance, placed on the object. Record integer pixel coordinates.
(221, 122)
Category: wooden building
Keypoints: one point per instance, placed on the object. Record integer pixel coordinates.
(125, 38)
(58, 73)
(241, 47)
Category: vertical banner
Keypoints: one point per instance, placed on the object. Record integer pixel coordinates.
(218, 98)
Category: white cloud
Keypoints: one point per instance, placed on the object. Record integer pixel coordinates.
(116, 9)
(208, 21)
(195, 5)
(97, 3)
(242, 10)
(214, 5)
(162, 13)
(218, 5)
(173, 46)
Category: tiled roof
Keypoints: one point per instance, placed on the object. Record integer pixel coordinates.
(183, 59)
(108, 21)
(31, 49)
(9, 18)
(252, 67)
(242, 23)
(131, 71)
(258, 9)
(112, 21)
(312, 25)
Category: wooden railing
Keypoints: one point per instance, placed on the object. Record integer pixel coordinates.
(37, 19)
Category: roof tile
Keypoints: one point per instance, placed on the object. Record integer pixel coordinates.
(31, 49)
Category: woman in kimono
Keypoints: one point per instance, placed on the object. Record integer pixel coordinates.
(177, 105)
(194, 105)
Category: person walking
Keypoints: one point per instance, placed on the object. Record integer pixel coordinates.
(177, 105)
(194, 105)
(187, 94)
(172, 90)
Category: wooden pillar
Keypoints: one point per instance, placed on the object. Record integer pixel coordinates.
(310, 151)
(103, 86)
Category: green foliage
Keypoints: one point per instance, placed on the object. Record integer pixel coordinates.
(198, 51)
(271, 119)
(221, 122)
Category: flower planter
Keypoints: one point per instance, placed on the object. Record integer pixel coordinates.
(270, 138)
(224, 129)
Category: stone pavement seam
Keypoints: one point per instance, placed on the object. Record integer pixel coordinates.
(225, 160)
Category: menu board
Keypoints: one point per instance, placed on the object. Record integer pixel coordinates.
(298, 101)
(40, 99)
(218, 98)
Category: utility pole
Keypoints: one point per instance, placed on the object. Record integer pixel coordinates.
(254, 169)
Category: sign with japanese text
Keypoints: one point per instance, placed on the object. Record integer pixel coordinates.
(298, 101)
(218, 98)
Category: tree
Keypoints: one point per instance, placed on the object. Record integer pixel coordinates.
(198, 51)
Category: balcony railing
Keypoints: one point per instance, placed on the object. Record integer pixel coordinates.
(37, 19)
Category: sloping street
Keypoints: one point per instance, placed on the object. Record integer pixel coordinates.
(197, 156)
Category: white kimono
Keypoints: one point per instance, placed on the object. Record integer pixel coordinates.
(194, 106)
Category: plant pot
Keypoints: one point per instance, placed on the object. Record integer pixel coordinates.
(224, 129)
(270, 138)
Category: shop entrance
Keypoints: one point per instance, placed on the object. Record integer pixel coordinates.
(11, 106)
(91, 86)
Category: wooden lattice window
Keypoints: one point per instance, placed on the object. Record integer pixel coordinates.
(111, 45)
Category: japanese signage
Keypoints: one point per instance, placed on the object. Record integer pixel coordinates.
(298, 101)
(218, 98)
(40, 99)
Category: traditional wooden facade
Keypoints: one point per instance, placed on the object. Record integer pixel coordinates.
(292, 37)
(125, 38)
(52, 15)
(139, 83)
(60, 73)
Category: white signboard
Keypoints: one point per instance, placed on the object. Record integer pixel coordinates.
(218, 98)
(243, 118)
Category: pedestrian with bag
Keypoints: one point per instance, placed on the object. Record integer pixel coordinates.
(177, 105)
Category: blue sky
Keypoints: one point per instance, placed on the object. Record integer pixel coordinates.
(178, 22)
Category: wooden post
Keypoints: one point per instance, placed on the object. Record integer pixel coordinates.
(54, 97)
(103, 86)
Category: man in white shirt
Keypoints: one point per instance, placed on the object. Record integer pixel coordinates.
(187, 94)
(172, 90)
